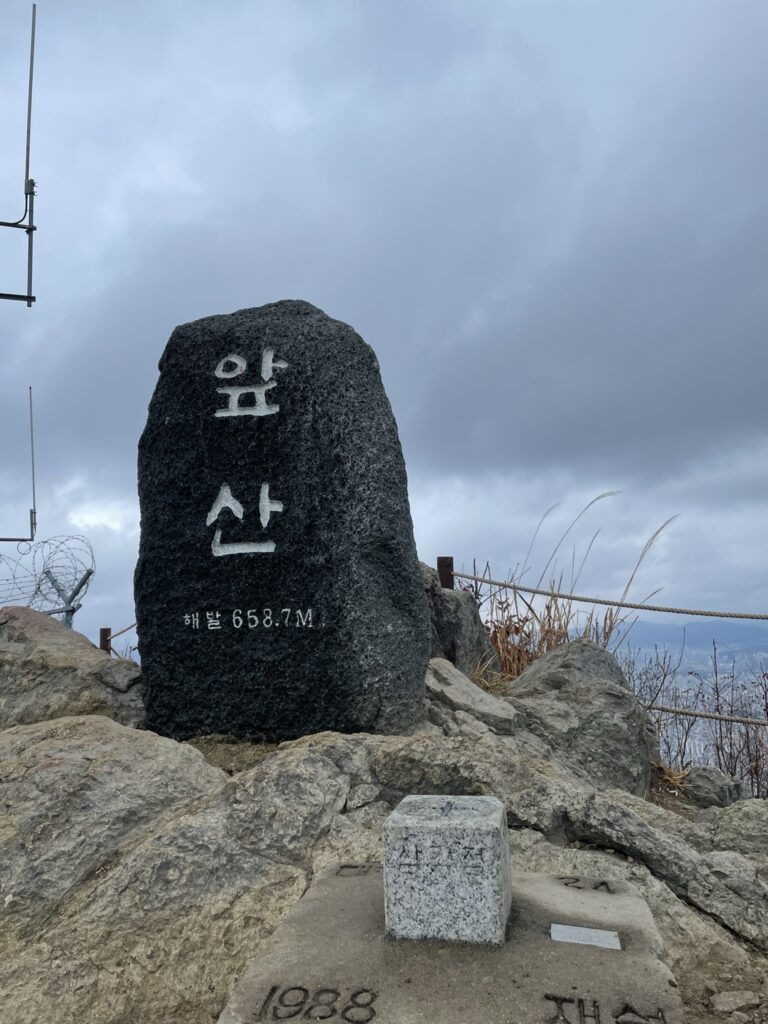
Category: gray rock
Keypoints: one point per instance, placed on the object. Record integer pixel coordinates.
(446, 869)
(442, 718)
(706, 786)
(77, 791)
(278, 591)
(458, 633)
(743, 827)
(48, 671)
(446, 685)
(576, 698)
(730, 1002)
(136, 879)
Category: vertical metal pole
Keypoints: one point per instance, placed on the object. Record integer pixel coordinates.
(445, 571)
(30, 242)
(105, 635)
(29, 94)
(33, 510)
(29, 185)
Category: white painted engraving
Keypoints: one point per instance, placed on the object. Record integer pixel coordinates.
(585, 936)
(252, 618)
(232, 366)
(224, 500)
(250, 547)
(259, 407)
(223, 373)
(266, 506)
(269, 364)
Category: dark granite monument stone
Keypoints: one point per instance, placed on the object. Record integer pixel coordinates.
(277, 589)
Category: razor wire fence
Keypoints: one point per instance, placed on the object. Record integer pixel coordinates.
(51, 576)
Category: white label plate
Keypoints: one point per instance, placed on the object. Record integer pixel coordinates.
(585, 936)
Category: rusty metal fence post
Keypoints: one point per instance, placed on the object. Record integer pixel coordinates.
(445, 571)
(105, 635)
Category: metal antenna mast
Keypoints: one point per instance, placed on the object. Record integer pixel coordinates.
(27, 221)
(33, 510)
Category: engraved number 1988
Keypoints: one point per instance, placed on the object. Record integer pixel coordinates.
(283, 1003)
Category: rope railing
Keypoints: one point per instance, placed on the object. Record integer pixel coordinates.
(447, 576)
(689, 713)
(611, 604)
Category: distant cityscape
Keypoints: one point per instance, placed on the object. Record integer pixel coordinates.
(740, 645)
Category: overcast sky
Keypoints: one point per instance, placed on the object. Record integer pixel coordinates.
(549, 219)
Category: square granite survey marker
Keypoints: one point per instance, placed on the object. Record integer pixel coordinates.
(446, 869)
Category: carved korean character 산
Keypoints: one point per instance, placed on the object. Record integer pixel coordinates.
(226, 500)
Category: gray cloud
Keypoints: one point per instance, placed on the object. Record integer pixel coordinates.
(548, 220)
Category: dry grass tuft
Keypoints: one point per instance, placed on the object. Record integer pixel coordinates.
(522, 629)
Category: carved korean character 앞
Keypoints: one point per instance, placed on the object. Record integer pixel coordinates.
(234, 365)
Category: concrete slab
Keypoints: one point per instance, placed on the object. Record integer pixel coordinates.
(330, 960)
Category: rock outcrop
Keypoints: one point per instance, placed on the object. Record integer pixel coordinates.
(706, 786)
(136, 878)
(458, 633)
(577, 698)
(47, 671)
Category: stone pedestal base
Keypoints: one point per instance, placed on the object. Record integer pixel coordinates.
(330, 960)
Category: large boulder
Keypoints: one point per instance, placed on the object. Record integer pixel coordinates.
(743, 827)
(706, 786)
(135, 879)
(458, 633)
(49, 671)
(277, 588)
(449, 689)
(577, 698)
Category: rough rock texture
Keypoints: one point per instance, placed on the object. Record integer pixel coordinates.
(707, 786)
(48, 671)
(277, 589)
(743, 827)
(729, 1002)
(577, 698)
(136, 879)
(458, 633)
(449, 689)
(132, 875)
